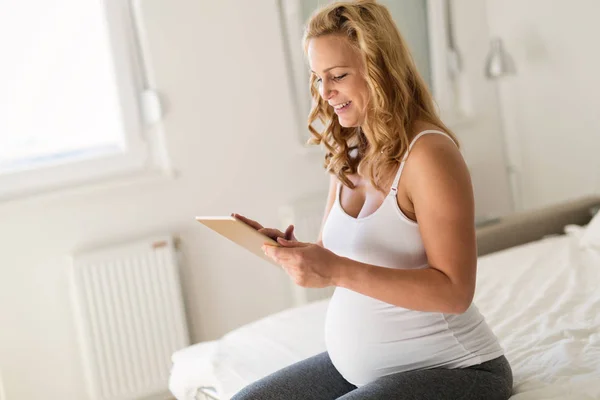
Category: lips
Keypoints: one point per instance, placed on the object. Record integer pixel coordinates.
(342, 105)
(342, 108)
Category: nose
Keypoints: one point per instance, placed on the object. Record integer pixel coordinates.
(327, 92)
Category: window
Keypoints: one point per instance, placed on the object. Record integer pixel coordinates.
(70, 94)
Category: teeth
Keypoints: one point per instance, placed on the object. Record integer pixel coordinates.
(341, 105)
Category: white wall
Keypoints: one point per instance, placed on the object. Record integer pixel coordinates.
(481, 133)
(219, 66)
(552, 104)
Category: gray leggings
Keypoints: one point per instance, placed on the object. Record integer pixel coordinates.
(317, 379)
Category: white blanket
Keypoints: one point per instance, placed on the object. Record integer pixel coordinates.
(541, 300)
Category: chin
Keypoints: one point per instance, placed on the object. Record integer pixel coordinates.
(348, 122)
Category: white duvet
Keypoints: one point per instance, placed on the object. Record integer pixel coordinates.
(541, 299)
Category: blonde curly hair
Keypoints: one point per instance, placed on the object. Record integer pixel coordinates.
(398, 95)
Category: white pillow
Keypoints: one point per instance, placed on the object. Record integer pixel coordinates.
(591, 234)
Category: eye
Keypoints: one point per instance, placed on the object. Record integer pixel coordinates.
(339, 78)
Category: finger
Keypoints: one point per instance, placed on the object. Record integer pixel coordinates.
(247, 221)
(278, 251)
(271, 232)
(289, 232)
(271, 252)
(291, 243)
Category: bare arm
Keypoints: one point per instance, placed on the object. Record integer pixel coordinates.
(439, 186)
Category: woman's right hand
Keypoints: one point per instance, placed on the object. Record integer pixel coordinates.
(270, 232)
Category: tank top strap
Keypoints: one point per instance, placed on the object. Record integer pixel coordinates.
(394, 188)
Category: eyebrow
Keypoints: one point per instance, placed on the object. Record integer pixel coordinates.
(330, 68)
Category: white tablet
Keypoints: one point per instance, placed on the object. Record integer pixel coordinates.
(239, 233)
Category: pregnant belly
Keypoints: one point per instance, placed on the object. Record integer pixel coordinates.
(367, 338)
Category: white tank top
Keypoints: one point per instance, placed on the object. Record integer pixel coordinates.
(367, 338)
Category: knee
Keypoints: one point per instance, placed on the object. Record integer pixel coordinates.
(254, 391)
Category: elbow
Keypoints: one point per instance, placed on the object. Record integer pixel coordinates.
(460, 307)
(460, 293)
(461, 302)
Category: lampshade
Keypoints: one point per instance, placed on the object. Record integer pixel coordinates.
(499, 63)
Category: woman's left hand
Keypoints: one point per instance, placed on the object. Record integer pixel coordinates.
(308, 264)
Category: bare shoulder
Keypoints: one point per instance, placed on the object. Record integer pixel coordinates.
(437, 180)
(435, 156)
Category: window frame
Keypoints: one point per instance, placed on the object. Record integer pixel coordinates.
(139, 109)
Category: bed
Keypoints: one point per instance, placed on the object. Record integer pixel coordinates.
(537, 285)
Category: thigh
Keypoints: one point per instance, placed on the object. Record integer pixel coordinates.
(471, 383)
(312, 379)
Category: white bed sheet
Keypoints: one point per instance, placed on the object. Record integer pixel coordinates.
(541, 300)
(191, 369)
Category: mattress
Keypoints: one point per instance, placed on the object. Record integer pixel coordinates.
(540, 299)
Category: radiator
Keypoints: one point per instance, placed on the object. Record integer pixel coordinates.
(130, 317)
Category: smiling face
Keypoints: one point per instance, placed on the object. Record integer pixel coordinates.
(337, 66)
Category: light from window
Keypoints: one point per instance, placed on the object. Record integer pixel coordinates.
(58, 94)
